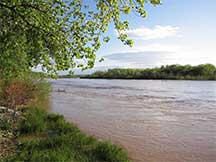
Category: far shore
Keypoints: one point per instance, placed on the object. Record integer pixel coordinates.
(167, 72)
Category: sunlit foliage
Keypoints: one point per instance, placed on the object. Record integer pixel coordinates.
(59, 34)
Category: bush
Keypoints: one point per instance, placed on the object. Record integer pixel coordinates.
(19, 92)
(16, 92)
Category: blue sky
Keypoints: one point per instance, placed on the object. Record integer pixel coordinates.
(176, 32)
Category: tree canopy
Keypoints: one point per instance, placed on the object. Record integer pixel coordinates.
(59, 34)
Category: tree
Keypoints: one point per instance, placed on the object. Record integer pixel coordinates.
(59, 34)
(203, 71)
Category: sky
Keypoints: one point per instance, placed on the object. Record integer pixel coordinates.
(176, 32)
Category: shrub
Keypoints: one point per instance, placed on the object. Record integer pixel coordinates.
(16, 92)
(19, 92)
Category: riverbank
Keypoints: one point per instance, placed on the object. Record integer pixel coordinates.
(42, 136)
(168, 72)
(28, 132)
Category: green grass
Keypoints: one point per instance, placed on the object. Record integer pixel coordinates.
(45, 137)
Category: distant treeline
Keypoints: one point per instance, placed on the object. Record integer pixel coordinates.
(69, 76)
(178, 72)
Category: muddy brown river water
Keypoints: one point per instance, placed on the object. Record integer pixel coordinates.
(154, 120)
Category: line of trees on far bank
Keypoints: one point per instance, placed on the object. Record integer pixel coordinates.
(178, 72)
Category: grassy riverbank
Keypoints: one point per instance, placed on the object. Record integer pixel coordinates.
(29, 133)
(43, 137)
(174, 72)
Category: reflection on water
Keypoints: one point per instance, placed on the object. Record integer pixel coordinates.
(156, 121)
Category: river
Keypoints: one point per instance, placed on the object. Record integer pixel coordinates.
(154, 120)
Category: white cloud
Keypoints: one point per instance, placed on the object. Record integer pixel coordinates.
(158, 32)
(157, 47)
(151, 47)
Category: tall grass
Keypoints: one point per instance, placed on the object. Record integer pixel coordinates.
(45, 137)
